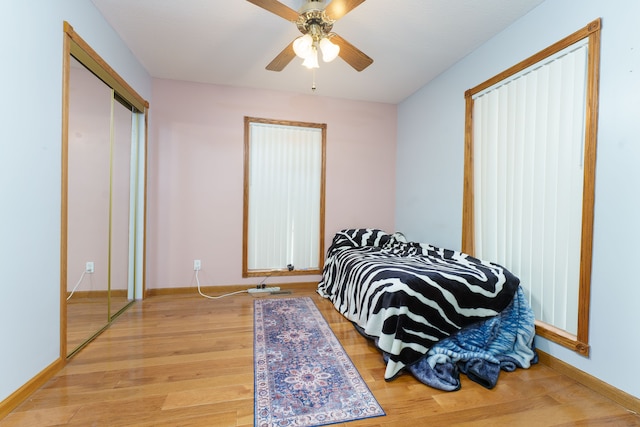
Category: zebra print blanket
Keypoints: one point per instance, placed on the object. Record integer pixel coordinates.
(408, 296)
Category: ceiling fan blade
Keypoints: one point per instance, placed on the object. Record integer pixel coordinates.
(338, 8)
(278, 8)
(351, 54)
(283, 59)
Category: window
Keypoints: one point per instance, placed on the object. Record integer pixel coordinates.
(283, 197)
(529, 179)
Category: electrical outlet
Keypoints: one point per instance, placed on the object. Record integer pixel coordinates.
(89, 268)
(197, 265)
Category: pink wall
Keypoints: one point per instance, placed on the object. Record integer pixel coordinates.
(195, 174)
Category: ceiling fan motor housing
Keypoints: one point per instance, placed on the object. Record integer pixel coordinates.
(313, 20)
(313, 5)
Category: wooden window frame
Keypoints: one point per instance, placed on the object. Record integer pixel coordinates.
(246, 272)
(579, 342)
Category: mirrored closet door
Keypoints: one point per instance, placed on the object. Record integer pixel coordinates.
(103, 186)
(88, 209)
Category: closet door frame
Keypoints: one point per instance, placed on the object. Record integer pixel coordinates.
(74, 45)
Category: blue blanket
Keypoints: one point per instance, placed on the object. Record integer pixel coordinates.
(504, 342)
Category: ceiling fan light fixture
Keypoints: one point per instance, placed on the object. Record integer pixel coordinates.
(329, 50)
(315, 20)
(302, 46)
(311, 61)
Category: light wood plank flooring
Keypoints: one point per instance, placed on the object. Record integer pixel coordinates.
(87, 315)
(183, 360)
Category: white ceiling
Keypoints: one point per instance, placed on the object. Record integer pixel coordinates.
(229, 42)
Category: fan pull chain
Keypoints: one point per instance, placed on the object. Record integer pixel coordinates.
(313, 82)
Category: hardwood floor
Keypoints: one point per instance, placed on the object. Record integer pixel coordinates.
(183, 360)
(86, 315)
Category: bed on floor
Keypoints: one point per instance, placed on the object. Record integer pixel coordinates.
(432, 312)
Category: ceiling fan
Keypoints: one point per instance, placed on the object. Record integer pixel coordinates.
(315, 21)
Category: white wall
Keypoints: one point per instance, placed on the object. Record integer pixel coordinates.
(430, 168)
(30, 165)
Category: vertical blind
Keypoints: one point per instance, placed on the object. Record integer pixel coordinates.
(284, 192)
(528, 138)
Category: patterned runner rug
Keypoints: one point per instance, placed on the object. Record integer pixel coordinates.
(303, 376)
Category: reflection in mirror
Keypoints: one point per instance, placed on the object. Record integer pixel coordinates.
(99, 264)
(88, 205)
(121, 166)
